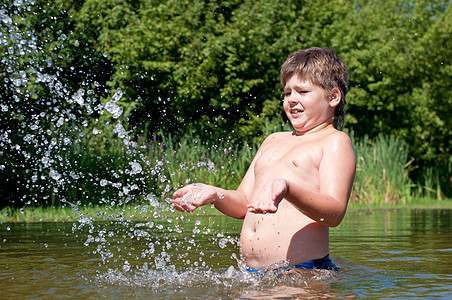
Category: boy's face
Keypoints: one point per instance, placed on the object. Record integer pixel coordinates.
(306, 105)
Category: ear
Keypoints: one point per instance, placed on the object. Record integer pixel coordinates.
(335, 97)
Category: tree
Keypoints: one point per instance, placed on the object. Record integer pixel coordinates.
(399, 60)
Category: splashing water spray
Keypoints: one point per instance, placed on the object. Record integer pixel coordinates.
(66, 145)
(52, 138)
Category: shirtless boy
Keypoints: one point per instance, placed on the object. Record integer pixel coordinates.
(299, 182)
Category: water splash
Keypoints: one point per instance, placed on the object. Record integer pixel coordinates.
(54, 135)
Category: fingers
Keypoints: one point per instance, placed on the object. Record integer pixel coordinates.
(261, 208)
(182, 206)
(177, 207)
(183, 200)
(279, 190)
(182, 191)
(192, 196)
(269, 198)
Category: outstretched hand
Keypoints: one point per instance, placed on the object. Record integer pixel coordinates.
(269, 198)
(192, 196)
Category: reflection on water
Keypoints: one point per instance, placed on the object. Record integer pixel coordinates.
(399, 253)
(383, 254)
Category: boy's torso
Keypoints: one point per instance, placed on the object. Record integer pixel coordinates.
(288, 234)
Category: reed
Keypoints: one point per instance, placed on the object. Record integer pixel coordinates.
(112, 171)
(429, 186)
(382, 172)
(170, 165)
(109, 170)
(382, 175)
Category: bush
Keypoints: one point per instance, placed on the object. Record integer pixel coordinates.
(382, 172)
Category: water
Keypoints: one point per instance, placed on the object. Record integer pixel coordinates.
(385, 254)
(52, 138)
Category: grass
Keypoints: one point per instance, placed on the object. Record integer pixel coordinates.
(382, 172)
(130, 212)
(119, 175)
(97, 212)
(74, 213)
(101, 169)
(416, 203)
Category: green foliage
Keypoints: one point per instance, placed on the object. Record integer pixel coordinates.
(204, 66)
(169, 165)
(209, 70)
(381, 172)
(44, 66)
(165, 165)
(209, 66)
(399, 54)
(113, 170)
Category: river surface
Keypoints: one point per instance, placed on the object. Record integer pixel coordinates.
(382, 254)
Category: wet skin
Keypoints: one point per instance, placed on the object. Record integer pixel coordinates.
(296, 187)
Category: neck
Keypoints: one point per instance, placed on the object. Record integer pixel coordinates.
(321, 127)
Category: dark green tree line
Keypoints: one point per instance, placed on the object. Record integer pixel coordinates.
(211, 68)
(208, 65)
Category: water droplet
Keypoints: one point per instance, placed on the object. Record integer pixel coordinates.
(223, 243)
(5, 18)
(136, 167)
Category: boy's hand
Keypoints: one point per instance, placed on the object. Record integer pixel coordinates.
(192, 196)
(269, 198)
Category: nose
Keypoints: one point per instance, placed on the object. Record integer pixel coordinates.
(292, 100)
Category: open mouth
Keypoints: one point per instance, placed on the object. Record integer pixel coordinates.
(296, 111)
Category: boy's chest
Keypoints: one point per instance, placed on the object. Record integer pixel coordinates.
(281, 156)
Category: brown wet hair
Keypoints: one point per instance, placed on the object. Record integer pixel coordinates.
(322, 67)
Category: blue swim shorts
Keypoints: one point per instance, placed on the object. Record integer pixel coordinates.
(325, 263)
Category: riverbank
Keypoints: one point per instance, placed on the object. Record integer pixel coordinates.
(68, 213)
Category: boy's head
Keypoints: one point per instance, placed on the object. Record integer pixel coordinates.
(322, 67)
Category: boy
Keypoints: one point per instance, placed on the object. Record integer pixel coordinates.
(299, 182)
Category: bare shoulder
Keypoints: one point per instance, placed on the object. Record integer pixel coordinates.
(337, 146)
(338, 166)
(338, 138)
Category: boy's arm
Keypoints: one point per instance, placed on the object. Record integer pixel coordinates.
(232, 203)
(328, 206)
(192, 196)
